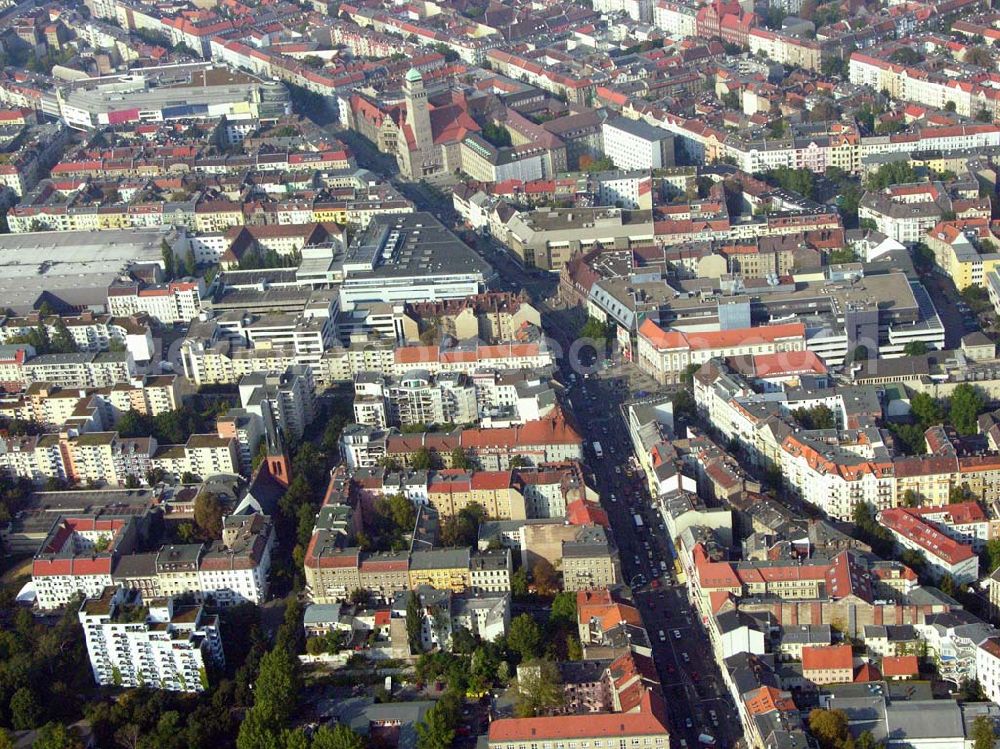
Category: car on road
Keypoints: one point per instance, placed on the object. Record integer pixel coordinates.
(686, 657)
(677, 634)
(663, 636)
(688, 723)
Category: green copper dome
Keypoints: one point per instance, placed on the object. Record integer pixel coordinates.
(413, 75)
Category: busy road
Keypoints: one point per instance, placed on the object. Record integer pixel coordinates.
(695, 693)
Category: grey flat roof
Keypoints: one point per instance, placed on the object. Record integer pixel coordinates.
(424, 247)
(75, 262)
(638, 128)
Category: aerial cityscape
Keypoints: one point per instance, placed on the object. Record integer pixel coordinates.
(492, 374)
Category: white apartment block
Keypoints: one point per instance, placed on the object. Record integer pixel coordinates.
(836, 478)
(209, 454)
(637, 10)
(159, 645)
(99, 370)
(675, 19)
(175, 302)
(290, 396)
(944, 555)
(988, 667)
(635, 144)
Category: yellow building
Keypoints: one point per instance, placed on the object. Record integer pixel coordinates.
(964, 250)
(444, 569)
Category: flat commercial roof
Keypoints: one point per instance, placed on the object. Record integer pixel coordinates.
(74, 264)
(409, 244)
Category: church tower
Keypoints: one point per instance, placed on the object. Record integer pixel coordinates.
(417, 115)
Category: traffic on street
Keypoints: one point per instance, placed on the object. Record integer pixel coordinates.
(698, 702)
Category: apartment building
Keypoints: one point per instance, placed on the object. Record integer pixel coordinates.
(332, 573)
(156, 643)
(289, 396)
(590, 561)
(174, 302)
(832, 664)
(838, 472)
(635, 144)
(77, 556)
(645, 726)
(906, 213)
(960, 251)
(944, 555)
(490, 571)
(548, 440)
(416, 397)
(209, 454)
(99, 370)
(443, 569)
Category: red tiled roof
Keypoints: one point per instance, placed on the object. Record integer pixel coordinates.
(930, 539)
(709, 340)
(585, 512)
(596, 725)
(826, 657)
(900, 665)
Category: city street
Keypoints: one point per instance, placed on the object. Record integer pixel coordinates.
(683, 656)
(693, 688)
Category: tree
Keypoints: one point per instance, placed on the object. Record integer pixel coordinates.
(834, 67)
(437, 729)
(915, 348)
(257, 732)
(950, 106)
(414, 623)
(993, 554)
(169, 260)
(25, 712)
(545, 577)
(817, 417)
(966, 403)
(926, 409)
(563, 609)
(421, 460)
(524, 637)
(801, 181)
(208, 514)
(519, 583)
(402, 512)
(984, 733)
(538, 689)
(911, 498)
(979, 56)
(893, 173)
(959, 494)
(829, 727)
(459, 459)
(463, 641)
(277, 686)
(906, 56)
(56, 736)
(338, 737)
(778, 128)
(361, 597)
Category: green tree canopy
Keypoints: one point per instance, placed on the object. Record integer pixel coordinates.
(539, 689)
(829, 727)
(966, 403)
(525, 636)
(338, 737)
(208, 514)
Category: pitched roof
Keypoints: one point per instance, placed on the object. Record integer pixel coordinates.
(900, 665)
(826, 657)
